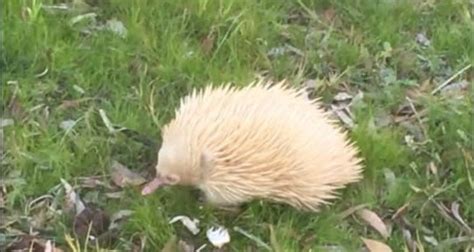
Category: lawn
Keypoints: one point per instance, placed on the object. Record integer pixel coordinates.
(86, 87)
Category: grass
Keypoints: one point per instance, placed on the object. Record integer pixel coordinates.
(174, 46)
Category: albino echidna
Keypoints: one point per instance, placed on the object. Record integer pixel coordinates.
(263, 141)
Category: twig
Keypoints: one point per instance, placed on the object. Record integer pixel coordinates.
(444, 84)
(418, 118)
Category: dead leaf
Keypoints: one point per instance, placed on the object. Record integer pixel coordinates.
(400, 210)
(207, 44)
(73, 200)
(123, 177)
(329, 14)
(28, 243)
(457, 216)
(343, 115)
(93, 221)
(218, 236)
(191, 225)
(456, 89)
(376, 246)
(374, 221)
(16, 108)
(411, 244)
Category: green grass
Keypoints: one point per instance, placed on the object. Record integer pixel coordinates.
(138, 80)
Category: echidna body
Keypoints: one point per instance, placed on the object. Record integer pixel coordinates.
(264, 141)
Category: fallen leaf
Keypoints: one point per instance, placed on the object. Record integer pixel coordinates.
(329, 14)
(218, 236)
(16, 109)
(72, 199)
(400, 210)
(191, 225)
(122, 176)
(207, 44)
(456, 89)
(407, 237)
(457, 216)
(374, 221)
(376, 246)
(343, 115)
(28, 243)
(92, 221)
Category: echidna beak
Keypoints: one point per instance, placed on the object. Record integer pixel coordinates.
(151, 186)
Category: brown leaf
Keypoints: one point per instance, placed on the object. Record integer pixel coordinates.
(207, 44)
(26, 242)
(32, 243)
(73, 202)
(92, 218)
(329, 14)
(374, 221)
(122, 176)
(16, 108)
(376, 246)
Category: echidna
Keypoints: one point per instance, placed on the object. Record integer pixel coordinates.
(264, 141)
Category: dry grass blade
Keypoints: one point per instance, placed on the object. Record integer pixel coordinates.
(444, 84)
(352, 210)
(376, 246)
(374, 221)
(253, 238)
(457, 216)
(273, 240)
